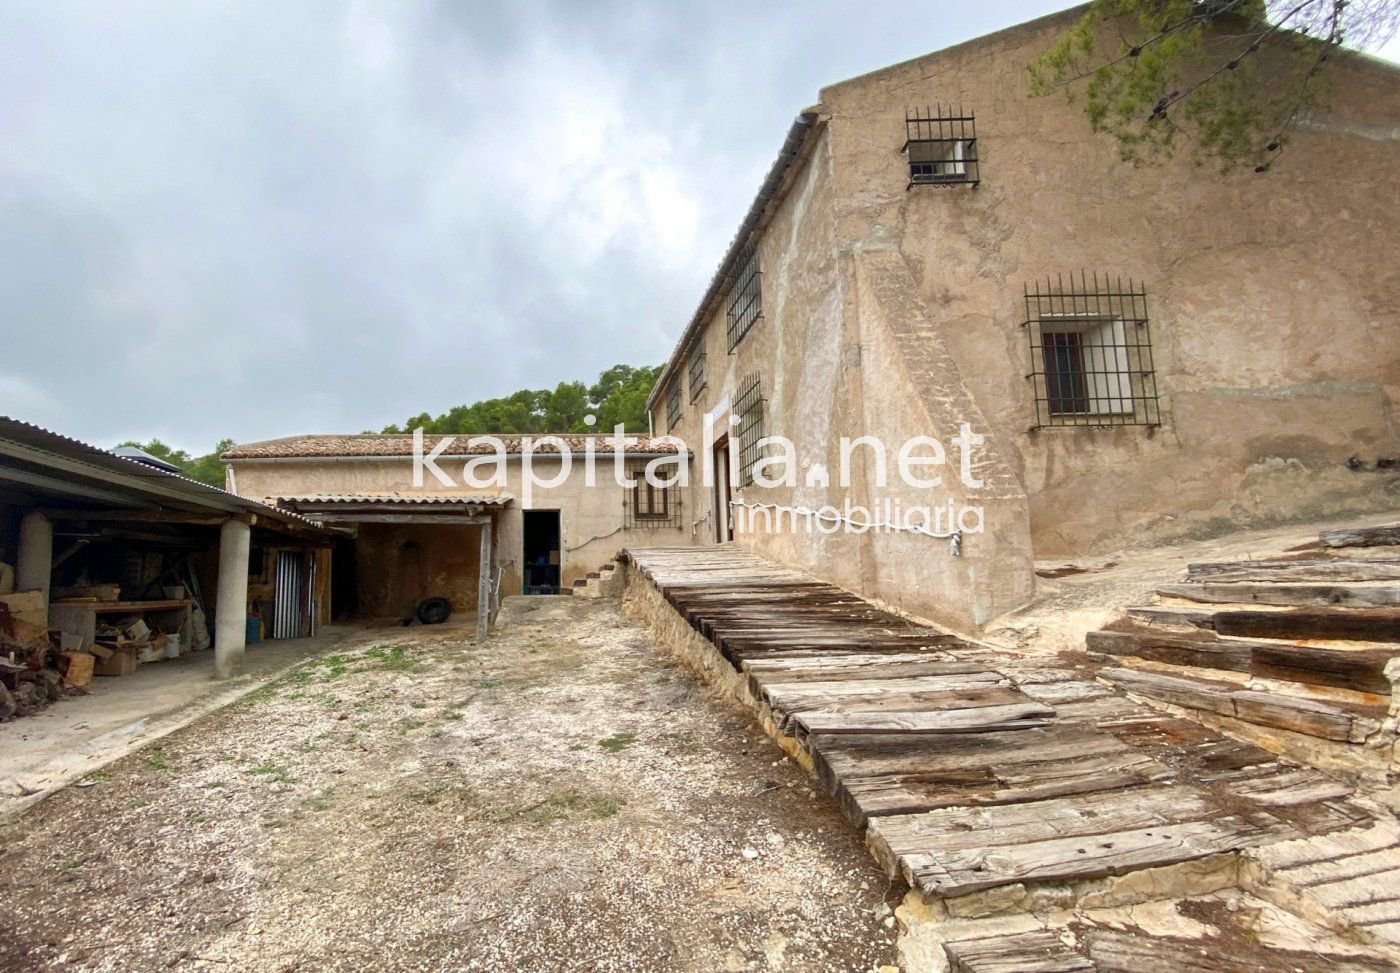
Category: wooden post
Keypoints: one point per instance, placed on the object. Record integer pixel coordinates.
(483, 587)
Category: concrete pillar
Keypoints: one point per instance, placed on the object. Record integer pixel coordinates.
(231, 606)
(34, 565)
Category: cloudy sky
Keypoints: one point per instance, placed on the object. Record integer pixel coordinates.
(253, 219)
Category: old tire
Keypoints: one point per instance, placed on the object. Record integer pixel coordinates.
(434, 611)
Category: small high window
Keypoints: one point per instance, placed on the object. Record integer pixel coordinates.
(696, 367)
(748, 406)
(648, 504)
(942, 147)
(1091, 353)
(673, 404)
(745, 300)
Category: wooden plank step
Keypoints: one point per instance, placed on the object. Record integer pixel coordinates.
(1318, 719)
(947, 875)
(914, 793)
(1301, 569)
(1385, 535)
(873, 665)
(983, 719)
(1133, 951)
(1037, 951)
(1301, 595)
(1353, 624)
(1361, 670)
(1177, 649)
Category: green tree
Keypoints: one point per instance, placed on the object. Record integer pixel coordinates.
(1231, 77)
(618, 396)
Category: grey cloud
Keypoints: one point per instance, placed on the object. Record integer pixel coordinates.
(256, 219)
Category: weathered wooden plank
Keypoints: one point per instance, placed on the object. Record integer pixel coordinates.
(1362, 670)
(862, 755)
(1356, 624)
(1385, 535)
(1114, 951)
(1037, 951)
(1011, 784)
(984, 719)
(778, 667)
(1080, 857)
(1301, 595)
(1178, 649)
(1266, 709)
(1301, 569)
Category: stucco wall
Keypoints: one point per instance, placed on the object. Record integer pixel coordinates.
(592, 520)
(841, 357)
(1274, 299)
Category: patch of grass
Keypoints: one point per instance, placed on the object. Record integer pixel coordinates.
(407, 726)
(617, 742)
(573, 804)
(67, 863)
(390, 658)
(575, 746)
(140, 801)
(277, 773)
(333, 666)
(417, 704)
(97, 777)
(213, 784)
(197, 817)
(437, 734)
(489, 683)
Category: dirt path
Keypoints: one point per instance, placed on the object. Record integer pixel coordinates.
(560, 799)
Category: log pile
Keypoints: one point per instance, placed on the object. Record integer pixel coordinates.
(34, 670)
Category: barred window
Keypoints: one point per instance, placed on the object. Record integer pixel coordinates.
(745, 300)
(649, 505)
(673, 404)
(748, 406)
(1091, 353)
(942, 147)
(697, 370)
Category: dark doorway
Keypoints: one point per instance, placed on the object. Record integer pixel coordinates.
(345, 579)
(724, 518)
(542, 553)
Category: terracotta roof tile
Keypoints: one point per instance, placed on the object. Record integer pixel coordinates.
(372, 444)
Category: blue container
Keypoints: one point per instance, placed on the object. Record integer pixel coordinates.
(254, 635)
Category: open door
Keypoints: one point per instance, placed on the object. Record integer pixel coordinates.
(724, 517)
(542, 553)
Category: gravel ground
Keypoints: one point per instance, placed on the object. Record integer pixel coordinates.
(563, 798)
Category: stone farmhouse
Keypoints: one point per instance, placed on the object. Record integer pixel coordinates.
(1106, 356)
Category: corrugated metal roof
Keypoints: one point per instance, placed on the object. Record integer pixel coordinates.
(66, 458)
(494, 500)
(378, 444)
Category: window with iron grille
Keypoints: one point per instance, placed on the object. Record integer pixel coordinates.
(748, 406)
(745, 300)
(697, 370)
(1091, 353)
(673, 403)
(942, 147)
(649, 505)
